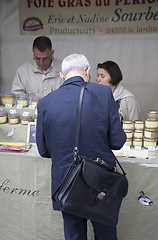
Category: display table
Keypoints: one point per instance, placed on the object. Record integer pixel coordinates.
(26, 207)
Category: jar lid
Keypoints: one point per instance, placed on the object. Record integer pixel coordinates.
(13, 115)
(151, 129)
(7, 94)
(21, 96)
(36, 98)
(150, 139)
(151, 119)
(138, 130)
(128, 122)
(138, 139)
(153, 111)
(3, 113)
(128, 130)
(25, 117)
(139, 121)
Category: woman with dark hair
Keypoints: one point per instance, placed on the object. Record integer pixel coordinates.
(109, 74)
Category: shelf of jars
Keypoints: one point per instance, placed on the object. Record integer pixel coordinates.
(16, 112)
(18, 109)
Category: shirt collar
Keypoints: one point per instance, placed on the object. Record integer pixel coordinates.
(48, 70)
(76, 80)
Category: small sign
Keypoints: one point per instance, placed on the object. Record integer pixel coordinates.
(31, 133)
(32, 106)
(25, 114)
(138, 147)
(13, 111)
(19, 106)
(8, 105)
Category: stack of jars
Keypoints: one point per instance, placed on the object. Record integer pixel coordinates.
(142, 133)
(134, 131)
(151, 129)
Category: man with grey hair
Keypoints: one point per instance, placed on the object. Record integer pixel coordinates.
(100, 132)
(39, 76)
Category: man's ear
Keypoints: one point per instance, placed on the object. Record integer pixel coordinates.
(52, 53)
(62, 76)
(87, 74)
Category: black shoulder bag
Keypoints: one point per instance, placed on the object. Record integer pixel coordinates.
(92, 189)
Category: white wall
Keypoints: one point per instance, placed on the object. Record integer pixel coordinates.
(137, 55)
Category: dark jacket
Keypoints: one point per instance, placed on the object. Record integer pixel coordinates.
(101, 129)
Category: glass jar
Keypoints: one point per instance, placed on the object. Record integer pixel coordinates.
(22, 100)
(7, 98)
(138, 124)
(129, 133)
(3, 117)
(150, 143)
(151, 123)
(138, 133)
(137, 142)
(128, 142)
(153, 114)
(150, 133)
(35, 100)
(13, 118)
(25, 119)
(128, 125)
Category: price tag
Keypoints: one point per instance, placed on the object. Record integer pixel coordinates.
(32, 106)
(151, 149)
(36, 111)
(25, 114)
(127, 147)
(19, 106)
(8, 106)
(13, 111)
(138, 147)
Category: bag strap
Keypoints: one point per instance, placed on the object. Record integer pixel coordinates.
(124, 173)
(78, 130)
(79, 117)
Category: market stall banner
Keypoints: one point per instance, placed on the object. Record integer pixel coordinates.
(88, 17)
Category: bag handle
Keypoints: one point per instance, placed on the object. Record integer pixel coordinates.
(78, 129)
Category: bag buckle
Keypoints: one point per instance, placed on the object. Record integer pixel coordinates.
(101, 195)
(99, 161)
(102, 163)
